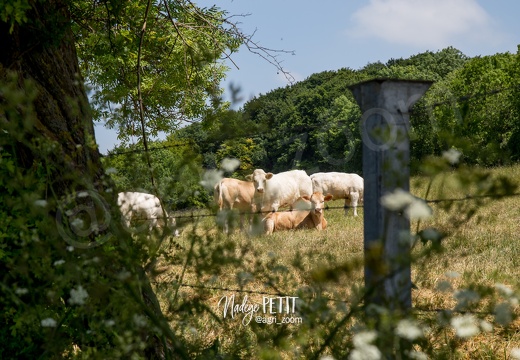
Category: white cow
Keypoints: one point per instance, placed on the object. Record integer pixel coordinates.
(306, 213)
(276, 190)
(341, 186)
(232, 194)
(143, 208)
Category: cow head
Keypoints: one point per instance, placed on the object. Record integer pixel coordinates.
(259, 178)
(318, 201)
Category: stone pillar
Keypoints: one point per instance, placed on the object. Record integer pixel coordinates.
(384, 126)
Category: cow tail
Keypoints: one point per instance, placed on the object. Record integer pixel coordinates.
(219, 189)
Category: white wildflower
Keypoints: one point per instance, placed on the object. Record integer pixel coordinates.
(364, 350)
(21, 291)
(401, 200)
(431, 234)
(397, 200)
(418, 210)
(83, 194)
(465, 326)
(327, 357)
(211, 178)
(466, 298)
(109, 323)
(364, 338)
(504, 289)
(40, 202)
(70, 248)
(444, 286)
(229, 165)
(406, 238)
(452, 155)
(78, 296)
(408, 329)
(367, 352)
(503, 314)
(48, 322)
(123, 275)
(222, 218)
(417, 355)
(59, 262)
(302, 205)
(452, 274)
(139, 320)
(515, 353)
(110, 170)
(486, 326)
(77, 223)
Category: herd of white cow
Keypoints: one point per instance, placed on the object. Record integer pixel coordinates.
(263, 193)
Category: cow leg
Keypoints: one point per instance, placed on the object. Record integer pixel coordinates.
(347, 204)
(354, 198)
(242, 220)
(269, 226)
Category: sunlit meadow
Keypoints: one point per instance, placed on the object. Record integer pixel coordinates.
(464, 297)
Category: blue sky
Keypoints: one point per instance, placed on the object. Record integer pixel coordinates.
(333, 34)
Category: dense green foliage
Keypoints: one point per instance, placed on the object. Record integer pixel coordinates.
(71, 277)
(314, 124)
(176, 171)
(176, 62)
(76, 285)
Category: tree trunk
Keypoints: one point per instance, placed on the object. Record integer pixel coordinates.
(43, 52)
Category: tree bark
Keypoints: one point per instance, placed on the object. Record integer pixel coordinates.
(43, 52)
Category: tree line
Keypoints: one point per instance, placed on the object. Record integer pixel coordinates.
(314, 125)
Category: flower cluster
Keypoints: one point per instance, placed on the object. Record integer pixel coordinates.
(363, 347)
(78, 296)
(411, 206)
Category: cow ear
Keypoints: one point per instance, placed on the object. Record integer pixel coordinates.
(306, 197)
(269, 175)
(328, 197)
(249, 177)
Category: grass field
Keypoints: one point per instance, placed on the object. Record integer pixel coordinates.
(326, 266)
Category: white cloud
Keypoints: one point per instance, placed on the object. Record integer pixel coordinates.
(423, 23)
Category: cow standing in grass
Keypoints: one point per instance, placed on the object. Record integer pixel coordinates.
(341, 186)
(306, 213)
(236, 194)
(138, 207)
(273, 191)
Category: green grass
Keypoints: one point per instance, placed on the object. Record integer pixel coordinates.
(484, 251)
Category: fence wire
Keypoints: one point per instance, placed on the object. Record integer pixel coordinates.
(326, 208)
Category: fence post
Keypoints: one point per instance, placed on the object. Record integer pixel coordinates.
(384, 127)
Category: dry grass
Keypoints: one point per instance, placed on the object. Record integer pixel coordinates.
(483, 251)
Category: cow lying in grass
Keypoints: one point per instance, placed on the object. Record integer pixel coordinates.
(306, 213)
